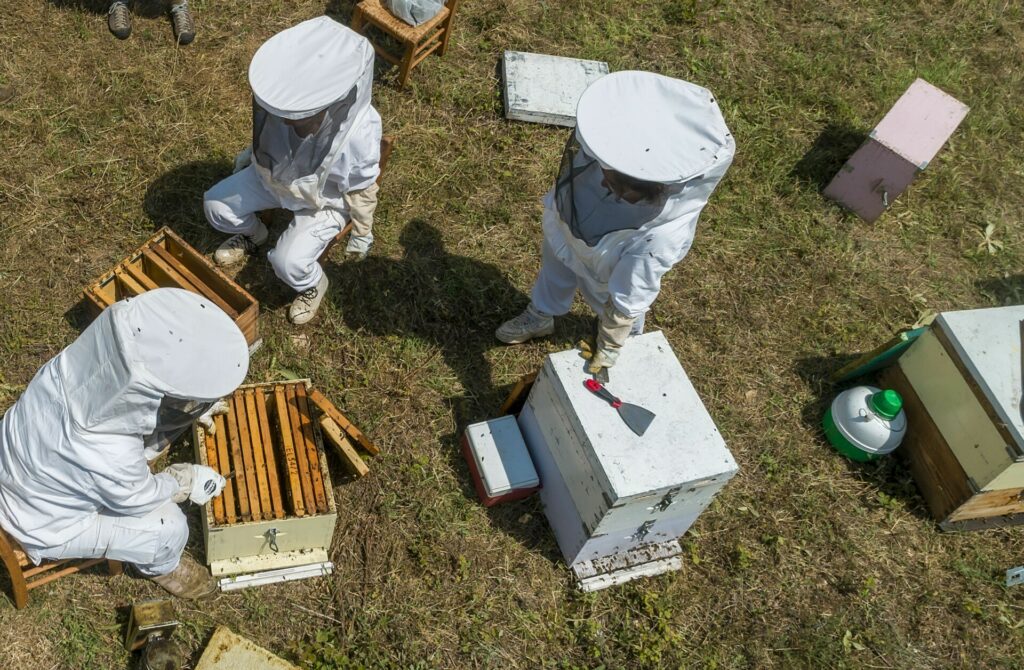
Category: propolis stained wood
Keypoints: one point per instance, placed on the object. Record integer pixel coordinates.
(166, 260)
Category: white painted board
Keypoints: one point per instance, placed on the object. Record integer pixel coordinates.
(545, 89)
(501, 457)
(988, 343)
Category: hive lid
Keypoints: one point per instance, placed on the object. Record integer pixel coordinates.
(501, 456)
(682, 444)
(920, 122)
(988, 343)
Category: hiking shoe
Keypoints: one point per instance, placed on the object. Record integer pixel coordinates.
(189, 580)
(235, 248)
(119, 19)
(305, 305)
(184, 26)
(528, 325)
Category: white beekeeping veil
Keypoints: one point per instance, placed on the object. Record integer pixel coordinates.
(148, 361)
(311, 86)
(652, 129)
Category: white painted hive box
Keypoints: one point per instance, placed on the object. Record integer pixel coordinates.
(545, 89)
(967, 372)
(605, 489)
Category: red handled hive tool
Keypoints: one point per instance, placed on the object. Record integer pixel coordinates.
(635, 417)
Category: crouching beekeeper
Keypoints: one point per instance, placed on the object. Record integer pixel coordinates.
(315, 151)
(74, 476)
(646, 154)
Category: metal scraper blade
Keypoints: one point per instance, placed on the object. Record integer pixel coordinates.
(636, 418)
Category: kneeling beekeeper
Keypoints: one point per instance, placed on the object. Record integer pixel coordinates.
(74, 476)
(315, 151)
(646, 154)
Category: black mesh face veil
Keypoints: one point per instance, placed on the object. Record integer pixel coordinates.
(588, 208)
(174, 417)
(294, 149)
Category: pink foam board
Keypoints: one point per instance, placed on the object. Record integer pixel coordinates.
(920, 123)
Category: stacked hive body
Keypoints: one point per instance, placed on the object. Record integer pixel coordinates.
(961, 383)
(617, 502)
(166, 260)
(278, 507)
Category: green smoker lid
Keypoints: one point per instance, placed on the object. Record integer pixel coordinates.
(886, 404)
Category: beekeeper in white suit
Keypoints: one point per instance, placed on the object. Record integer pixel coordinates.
(74, 479)
(646, 154)
(315, 151)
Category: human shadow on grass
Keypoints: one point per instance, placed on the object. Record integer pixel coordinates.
(889, 473)
(831, 148)
(1003, 291)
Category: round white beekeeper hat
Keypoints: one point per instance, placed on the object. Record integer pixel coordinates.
(302, 70)
(651, 127)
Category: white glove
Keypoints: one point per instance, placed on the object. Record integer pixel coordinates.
(207, 484)
(243, 159)
(197, 483)
(206, 420)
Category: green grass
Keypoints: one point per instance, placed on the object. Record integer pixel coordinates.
(804, 561)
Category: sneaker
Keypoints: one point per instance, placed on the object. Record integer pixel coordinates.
(305, 305)
(235, 248)
(189, 580)
(184, 26)
(119, 19)
(528, 325)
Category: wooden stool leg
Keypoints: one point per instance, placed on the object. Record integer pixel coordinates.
(406, 67)
(18, 584)
(447, 34)
(115, 568)
(357, 20)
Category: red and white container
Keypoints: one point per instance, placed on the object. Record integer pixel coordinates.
(499, 461)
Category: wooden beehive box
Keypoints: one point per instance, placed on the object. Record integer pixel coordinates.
(899, 147)
(961, 384)
(166, 260)
(278, 507)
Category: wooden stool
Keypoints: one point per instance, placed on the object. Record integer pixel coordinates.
(25, 576)
(418, 42)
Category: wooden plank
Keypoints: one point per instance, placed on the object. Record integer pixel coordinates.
(245, 442)
(270, 458)
(1003, 502)
(294, 484)
(225, 468)
(349, 458)
(939, 476)
(212, 460)
(128, 284)
(300, 452)
(517, 397)
(328, 408)
(164, 274)
(135, 270)
(312, 454)
(256, 437)
(200, 286)
(237, 464)
(226, 288)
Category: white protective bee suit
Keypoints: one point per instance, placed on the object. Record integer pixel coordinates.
(74, 480)
(651, 128)
(315, 148)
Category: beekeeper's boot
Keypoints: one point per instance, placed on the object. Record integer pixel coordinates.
(305, 305)
(235, 248)
(528, 325)
(189, 580)
(184, 26)
(119, 19)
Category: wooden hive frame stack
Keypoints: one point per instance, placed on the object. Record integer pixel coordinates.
(166, 260)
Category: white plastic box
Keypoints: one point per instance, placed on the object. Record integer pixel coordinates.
(606, 491)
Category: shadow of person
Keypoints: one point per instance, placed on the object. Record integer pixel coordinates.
(831, 148)
(453, 302)
(175, 199)
(1003, 291)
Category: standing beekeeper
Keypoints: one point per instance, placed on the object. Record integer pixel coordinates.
(74, 478)
(646, 154)
(315, 151)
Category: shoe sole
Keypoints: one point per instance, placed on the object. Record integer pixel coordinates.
(523, 340)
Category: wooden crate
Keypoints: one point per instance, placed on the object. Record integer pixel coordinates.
(945, 486)
(166, 260)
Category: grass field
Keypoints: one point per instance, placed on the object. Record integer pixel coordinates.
(805, 560)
